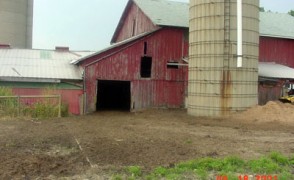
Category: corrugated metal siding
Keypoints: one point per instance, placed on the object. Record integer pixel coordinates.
(142, 24)
(277, 50)
(166, 87)
(71, 97)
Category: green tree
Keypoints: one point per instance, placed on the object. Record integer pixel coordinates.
(291, 12)
(261, 9)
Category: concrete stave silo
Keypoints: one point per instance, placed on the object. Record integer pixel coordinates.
(216, 85)
(16, 23)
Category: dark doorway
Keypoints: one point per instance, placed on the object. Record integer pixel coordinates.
(113, 95)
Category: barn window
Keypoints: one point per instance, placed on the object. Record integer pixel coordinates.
(172, 65)
(146, 66)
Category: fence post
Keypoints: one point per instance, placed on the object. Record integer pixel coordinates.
(18, 106)
(59, 106)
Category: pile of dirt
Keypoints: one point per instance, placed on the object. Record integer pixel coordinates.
(273, 111)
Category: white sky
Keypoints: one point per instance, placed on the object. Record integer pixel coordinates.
(89, 24)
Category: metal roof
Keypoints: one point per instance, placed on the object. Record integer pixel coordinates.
(39, 65)
(170, 13)
(165, 13)
(273, 70)
(277, 25)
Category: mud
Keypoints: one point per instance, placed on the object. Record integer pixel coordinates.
(109, 141)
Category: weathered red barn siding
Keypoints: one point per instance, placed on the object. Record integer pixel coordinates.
(135, 23)
(166, 87)
(69, 96)
(277, 50)
(269, 92)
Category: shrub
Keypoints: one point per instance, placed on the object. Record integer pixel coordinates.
(44, 110)
(8, 106)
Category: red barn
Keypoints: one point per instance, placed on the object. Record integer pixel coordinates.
(147, 64)
(276, 73)
(146, 67)
(277, 38)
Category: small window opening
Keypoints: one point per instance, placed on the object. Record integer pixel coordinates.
(186, 35)
(146, 66)
(134, 27)
(145, 48)
(173, 65)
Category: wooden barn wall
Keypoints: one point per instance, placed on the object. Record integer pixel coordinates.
(166, 87)
(69, 96)
(277, 50)
(136, 17)
(269, 91)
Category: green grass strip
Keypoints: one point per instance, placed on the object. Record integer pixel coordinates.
(273, 164)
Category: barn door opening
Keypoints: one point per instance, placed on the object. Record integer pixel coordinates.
(113, 95)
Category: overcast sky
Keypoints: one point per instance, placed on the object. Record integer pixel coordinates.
(89, 24)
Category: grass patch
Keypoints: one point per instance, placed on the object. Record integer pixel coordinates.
(264, 165)
(274, 164)
(117, 177)
(135, 171)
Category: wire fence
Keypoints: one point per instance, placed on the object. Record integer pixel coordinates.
(31, 106)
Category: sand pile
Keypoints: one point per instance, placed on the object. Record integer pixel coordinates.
(273, 111)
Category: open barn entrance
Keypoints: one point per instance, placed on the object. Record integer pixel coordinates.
(113, 95)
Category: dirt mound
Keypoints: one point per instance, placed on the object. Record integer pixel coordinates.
(273, 111)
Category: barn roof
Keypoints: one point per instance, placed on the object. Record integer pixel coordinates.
(273, 70)
(165, 13)
(39, 65)
(277, 25)
(176, 14)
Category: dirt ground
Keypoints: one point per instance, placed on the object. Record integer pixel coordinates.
(90, 146)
